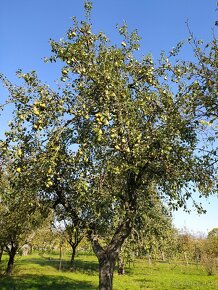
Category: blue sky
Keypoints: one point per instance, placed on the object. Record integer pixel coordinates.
(27, 25)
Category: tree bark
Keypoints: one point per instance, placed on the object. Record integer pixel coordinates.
(72, 261)
(74, 244)
(186, 258)
(120, 266)
(106, 271)
(12, 253)
(149, 259)
(1, 253)
(163, 256)
(60, 257)
(107, 256)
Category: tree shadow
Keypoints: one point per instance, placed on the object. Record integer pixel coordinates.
(87, 267)
(144, 280)
(42, 282)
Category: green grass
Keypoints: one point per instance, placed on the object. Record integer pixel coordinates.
(41, 273)
(163, 276)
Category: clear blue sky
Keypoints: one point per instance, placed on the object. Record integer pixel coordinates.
(27, 25)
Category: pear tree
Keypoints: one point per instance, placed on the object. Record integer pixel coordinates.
(117, 132)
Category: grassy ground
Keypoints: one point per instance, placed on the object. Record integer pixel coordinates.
(41, 273)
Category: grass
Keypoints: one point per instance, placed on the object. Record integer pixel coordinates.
(162, 276)
(41, 273)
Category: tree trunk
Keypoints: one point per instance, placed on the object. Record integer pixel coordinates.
(1, 253)
(107, 256)
(31, 249)
(60, 257)
(106, 271)
(74, 239)
(186, 258)
(163, 256)
(10, 266)
(120, 266)
(72, 261)
(149, 259)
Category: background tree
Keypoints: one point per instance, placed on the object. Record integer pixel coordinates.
(210, 252)
(186, 247)
(74, 231)
(45, 239)
(153, 234)
(213, 233)
(20, 213)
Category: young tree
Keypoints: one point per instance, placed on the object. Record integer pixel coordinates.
(130, 137)
(186, 246)
(74, 231)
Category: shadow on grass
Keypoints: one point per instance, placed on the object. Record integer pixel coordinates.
(144, 280)
(35, 282)
(87, 267)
